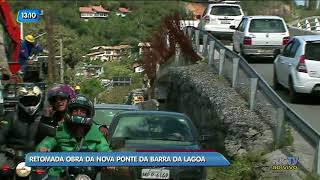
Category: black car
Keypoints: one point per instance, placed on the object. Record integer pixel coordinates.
(155, 130)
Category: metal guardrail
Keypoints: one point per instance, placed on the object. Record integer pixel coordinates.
(308, 24)
(213, 48)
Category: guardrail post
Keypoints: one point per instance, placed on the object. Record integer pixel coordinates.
(253, 92)
(235, 71)
(185, 31)
(197, 40)
(308, 26)
(299, 25)
(316, 162)
(177, 55)
(211, 52)
(204, 44)
(280, 126)
(189, 32)
(317, 24)
(221, 60)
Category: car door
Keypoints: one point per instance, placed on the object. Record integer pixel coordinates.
(281, 63)
(290, 61)
(239, 34)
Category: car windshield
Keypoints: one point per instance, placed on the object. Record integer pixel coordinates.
(153, 127)
(104, 116)
(267, 26)
(225, 11)
(312, 51)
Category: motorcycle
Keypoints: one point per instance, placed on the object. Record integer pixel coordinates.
(15, 168)
(82, 172)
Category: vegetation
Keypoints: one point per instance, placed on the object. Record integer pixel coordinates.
(244, 167)
(79, 36)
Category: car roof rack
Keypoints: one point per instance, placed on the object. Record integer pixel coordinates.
(223, 2)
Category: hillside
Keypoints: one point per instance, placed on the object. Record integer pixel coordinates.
(79, 36)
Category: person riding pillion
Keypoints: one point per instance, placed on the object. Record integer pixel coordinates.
(77, 133)
(58, 97)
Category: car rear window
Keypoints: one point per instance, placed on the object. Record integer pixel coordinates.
(312, 51)
(225, 11)
(267, 26)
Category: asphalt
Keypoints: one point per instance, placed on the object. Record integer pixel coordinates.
(308, 107)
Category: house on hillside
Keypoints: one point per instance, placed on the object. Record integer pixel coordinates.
(109, 53)
(137, 67)
(123, 11)
(93, 12)
(143, 47)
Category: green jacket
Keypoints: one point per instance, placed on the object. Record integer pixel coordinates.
(63, 141)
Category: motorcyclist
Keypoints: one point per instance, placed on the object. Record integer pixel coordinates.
(18, 129)
(77, 133)
(27, 49)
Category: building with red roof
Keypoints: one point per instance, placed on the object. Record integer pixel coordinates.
(93, 12)
(123, 11)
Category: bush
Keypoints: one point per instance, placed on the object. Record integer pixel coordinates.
(243, 167)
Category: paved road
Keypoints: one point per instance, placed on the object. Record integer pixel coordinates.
(308, 108)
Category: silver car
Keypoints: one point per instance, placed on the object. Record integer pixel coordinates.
(298, 66)
(260, 35)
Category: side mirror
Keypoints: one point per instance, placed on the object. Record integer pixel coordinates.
(233, 27)
(276, 52)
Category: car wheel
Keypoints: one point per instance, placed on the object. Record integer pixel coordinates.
(246, 57)
(294, 96)
(276, 84)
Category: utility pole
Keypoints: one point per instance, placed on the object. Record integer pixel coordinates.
(50, 42)
(21, 30)
(61, 63)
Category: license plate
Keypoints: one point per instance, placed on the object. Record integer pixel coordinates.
(155, 174)
(225, 21)
(265, 51)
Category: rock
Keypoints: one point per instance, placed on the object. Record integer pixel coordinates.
(216, 107)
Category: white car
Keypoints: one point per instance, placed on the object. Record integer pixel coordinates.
(218, 17)
(298, 66)
(260, 35)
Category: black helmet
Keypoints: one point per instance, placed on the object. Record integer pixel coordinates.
(84, 102)
(30, 98)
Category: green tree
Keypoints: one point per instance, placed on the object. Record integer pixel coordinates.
(91, 88)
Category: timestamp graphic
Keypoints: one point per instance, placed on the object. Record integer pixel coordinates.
(29, 15)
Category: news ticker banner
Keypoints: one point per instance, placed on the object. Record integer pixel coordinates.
(125, 159)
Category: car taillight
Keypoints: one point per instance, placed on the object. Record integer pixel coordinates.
(40, 171)
(285, 40)
(302, 65)
(247, 41)
(206, 19)
(5, 168)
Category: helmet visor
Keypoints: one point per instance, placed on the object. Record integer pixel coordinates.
(30, 100)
